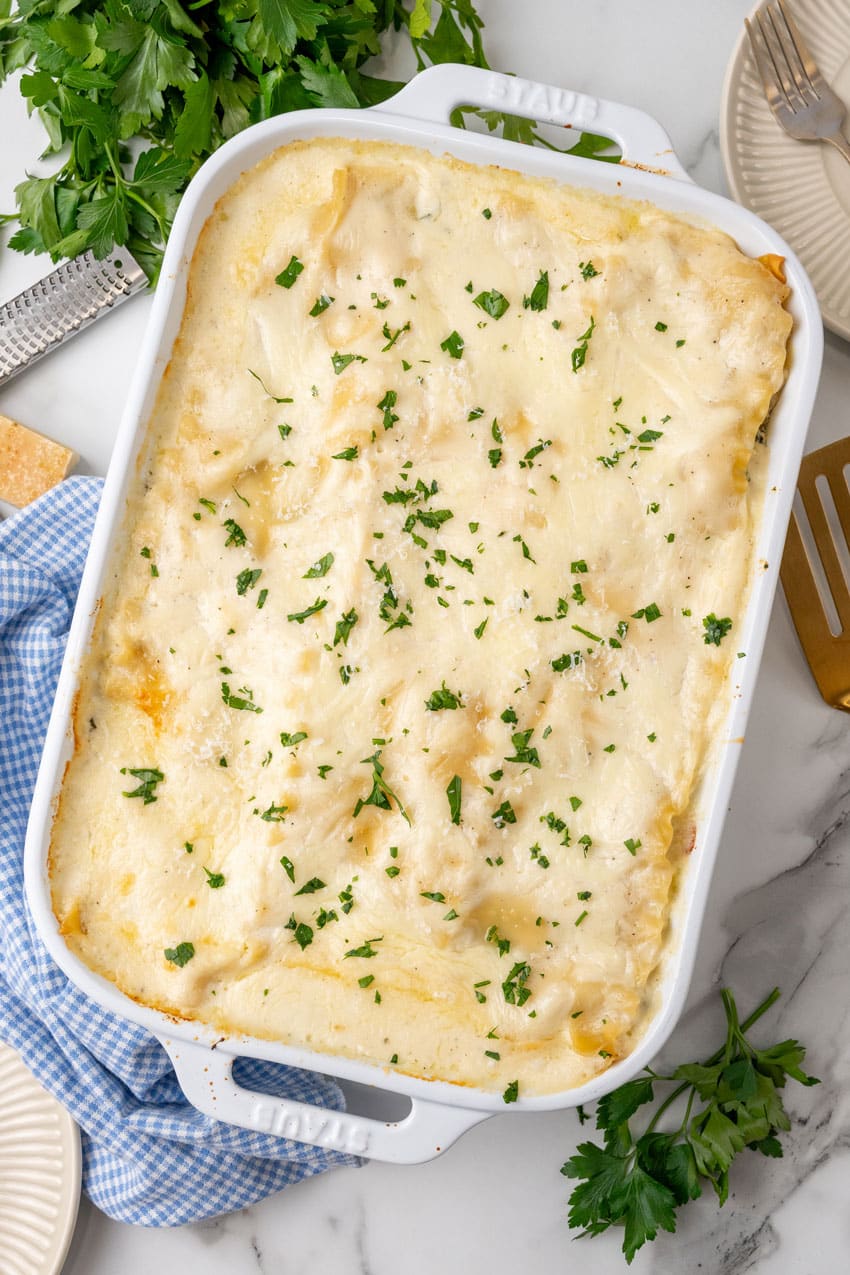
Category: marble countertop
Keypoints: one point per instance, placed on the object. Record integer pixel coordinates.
(779, 910)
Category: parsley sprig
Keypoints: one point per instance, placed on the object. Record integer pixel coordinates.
(106, 75)
(731, 1101)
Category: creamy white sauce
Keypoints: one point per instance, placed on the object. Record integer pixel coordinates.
(551, 540)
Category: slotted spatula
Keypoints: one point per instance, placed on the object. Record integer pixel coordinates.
(824, 637)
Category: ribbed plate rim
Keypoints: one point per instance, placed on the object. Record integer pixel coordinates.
(47, 1145)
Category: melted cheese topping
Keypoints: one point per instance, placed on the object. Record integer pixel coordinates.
(420, 621)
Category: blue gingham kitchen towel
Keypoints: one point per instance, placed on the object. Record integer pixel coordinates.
(148, 1157)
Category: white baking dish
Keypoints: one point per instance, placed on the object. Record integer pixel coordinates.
(418, 116)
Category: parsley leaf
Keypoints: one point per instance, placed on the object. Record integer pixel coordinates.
(181, 954)
(539, 296)
(290, 273)
(492, 303)
(715, 630)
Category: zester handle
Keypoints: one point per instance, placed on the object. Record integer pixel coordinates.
(63, 303)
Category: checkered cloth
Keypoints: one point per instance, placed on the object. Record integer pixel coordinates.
(148, 1157)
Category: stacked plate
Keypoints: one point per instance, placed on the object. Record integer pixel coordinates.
(39, 1173)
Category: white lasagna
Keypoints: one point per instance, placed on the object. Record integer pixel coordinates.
(422, 616)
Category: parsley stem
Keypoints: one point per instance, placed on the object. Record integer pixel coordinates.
(735, 1030)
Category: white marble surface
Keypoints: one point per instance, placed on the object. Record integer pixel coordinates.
(779, 910)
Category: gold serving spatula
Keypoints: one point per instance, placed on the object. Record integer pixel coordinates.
(816, 582)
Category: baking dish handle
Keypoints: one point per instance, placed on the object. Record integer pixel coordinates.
(436, 92)
(206, 1078)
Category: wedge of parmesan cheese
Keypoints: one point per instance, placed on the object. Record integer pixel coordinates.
(30, 463)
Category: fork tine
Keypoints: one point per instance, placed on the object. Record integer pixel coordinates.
(807, 63)
(779, 59)
(796, 69)
(764, 65)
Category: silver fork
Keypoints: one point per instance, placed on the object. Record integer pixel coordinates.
(799, 97)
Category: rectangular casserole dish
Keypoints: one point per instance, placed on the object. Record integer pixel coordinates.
(440, 1110)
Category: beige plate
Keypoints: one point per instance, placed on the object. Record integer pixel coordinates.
(801, 188)
(39, 1173)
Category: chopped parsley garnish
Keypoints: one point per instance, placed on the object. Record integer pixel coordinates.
(715, 630)
(347, 453)
(475, 414)
(648, 613)
(523, 755)
(436, 896)
(581, 916)
(181, 954)
(443, 698)
(342, 632)
(300, 616)
(527, 461)
(247, 579)
(539, 858)
(526, 552)
(302, 932)
(148, 780)
(392, 337)
(492, 303)
(386, 405)
(312, 886)
(434, 518)
(680, 343)
(244, 699)
(650, 436)
(486, 213)
(321, 304)
(291, 741)
(569, 660)
(284, 431)
(453, 345)
(235, 534)
(588, 270)
(512, 1092)
(389, 606)
(323, 771)
(341, 361)
(215, 880)
(479, 629)
(381, 796)
(366, 950)
(660, 327)
(504, 814)
(454, 792)
(274, 397)
(632, 845)
(579, 354)
(286, 863)
(209, 505)
(514, 987)
(287, 277)
(539, 298)
(319, 568)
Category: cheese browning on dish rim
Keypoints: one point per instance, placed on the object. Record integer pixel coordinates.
(389, 737)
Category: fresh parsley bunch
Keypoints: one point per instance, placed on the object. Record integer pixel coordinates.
(730, 1102)
(135, 94)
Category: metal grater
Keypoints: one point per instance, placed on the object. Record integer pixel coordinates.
(63, 303)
